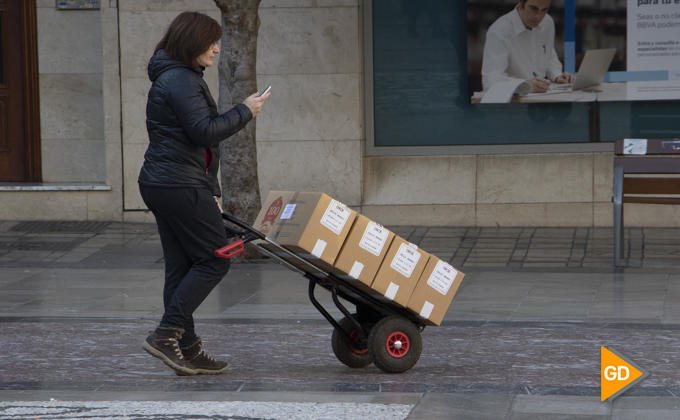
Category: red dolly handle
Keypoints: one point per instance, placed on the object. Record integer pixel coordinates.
(230, 250)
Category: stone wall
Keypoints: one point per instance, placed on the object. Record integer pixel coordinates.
(309, 136)
(569, 189)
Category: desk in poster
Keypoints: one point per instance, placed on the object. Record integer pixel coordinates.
(601, 93)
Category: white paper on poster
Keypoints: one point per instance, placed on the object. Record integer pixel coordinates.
(442, 277)
(288, 211)
(427, 310)
(392, 291)
(634, 146)
(355, 272)
(502, 92)
(405, 261)
(374, 238)
(650, 91)
(336, 216)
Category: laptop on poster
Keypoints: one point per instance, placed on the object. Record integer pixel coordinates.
(592, 71)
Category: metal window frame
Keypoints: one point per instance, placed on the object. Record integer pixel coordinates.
(488, 149)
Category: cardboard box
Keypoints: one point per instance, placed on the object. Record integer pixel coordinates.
(312, 225)
(399, 272)
(364, 250)
(435, 290)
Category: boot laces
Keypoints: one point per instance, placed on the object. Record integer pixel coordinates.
(204, 354)
(175, 347)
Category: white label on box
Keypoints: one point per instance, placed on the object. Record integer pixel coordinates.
(442, 277)
(634, 146)
(288, 211)
(392, 291)
(319, 248)
(355, 272)
(405, 261)
(427, 310)
(374, 238)
(336, 216)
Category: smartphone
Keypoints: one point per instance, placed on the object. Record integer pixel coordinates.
(266, 90)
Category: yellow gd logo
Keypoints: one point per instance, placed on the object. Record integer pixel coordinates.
(617, 374)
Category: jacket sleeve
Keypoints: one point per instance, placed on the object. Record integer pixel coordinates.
(188, 100)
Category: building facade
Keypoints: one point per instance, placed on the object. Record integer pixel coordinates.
(317, 131)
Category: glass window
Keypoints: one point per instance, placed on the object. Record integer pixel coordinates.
(420, 91)
(420, 86)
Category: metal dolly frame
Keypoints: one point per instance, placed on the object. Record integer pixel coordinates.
(380, 332)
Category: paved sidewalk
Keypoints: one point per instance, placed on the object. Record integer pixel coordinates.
(45, 242)
(520, 341)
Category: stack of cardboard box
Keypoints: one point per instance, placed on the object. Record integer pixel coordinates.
(337, 240)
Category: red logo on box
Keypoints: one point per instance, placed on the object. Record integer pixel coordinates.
(270, 217)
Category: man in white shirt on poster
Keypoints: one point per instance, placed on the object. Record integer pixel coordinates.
(521, 45)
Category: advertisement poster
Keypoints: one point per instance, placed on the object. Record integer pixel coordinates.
(527, 51)
(654, 49)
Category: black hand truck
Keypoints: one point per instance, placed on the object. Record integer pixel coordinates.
(378, 332)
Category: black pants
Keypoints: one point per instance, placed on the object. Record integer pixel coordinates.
(191, 229)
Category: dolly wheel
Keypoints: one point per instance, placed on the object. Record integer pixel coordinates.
(397, 344)
(349, 355)
(353, 335)
(394, 344)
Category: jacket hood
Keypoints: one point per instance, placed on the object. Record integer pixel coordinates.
(162, 62)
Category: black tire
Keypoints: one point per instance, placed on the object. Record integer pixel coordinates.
(350, 356)
(387, 356)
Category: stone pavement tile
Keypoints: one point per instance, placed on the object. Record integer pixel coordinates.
(445, 232)
(558, 404)
(10, 275)
(656, 408)
(475, 263)
(500, 232)
(544, 264)
(125, 306)
(403, 231)
(476, 312)
(490, 253)
(311, 397)
(475, 406)
(52, 279)
(625, 312)
(550, 310)
(408, 398)
(544, 416)
(671, 305)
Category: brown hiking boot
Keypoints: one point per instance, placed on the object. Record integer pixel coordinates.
(202, 363)
(166, 347)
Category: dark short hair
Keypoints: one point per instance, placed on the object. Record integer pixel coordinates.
(190, 35)
(523, 2)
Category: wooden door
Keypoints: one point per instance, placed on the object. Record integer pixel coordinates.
(19, 115)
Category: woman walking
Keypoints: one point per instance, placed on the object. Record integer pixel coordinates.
(178, 183)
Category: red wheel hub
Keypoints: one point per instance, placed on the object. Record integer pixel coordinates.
(397, 344)
(353, 335)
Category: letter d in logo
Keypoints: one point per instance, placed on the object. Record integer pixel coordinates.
(618, 374)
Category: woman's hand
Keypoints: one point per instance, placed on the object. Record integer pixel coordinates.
(254, 102)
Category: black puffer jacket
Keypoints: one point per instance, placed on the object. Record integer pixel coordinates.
(184, 127)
